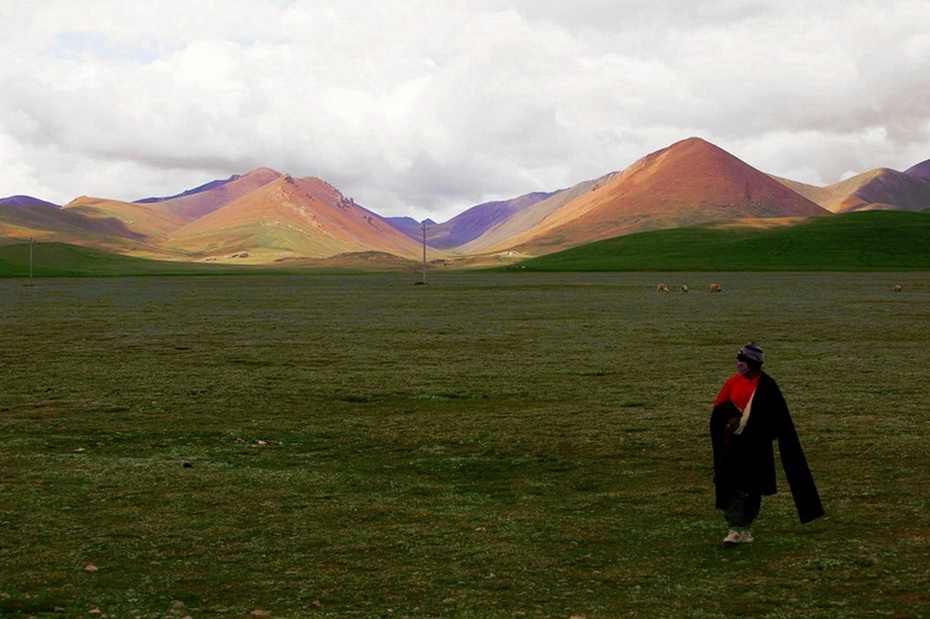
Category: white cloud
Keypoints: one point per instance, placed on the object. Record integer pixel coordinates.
(428, 107)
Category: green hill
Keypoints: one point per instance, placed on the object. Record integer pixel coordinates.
(861, 241)
(64, 260)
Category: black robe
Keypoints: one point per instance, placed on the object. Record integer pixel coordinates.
(746, 462)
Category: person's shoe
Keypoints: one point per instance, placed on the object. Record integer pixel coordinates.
(735, 537)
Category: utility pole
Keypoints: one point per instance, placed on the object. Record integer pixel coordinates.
(424, 250)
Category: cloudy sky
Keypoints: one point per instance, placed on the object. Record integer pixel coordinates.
(427, 107)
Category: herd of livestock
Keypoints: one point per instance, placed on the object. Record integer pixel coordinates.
(719, 288)
(665, 288)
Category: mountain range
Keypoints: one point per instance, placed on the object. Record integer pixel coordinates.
(265, 216)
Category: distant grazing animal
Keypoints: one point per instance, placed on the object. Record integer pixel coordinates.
(899, 288)
(661, 288)
(716, 288)
(684, 289)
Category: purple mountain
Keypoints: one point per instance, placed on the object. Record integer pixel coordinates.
(26, 201)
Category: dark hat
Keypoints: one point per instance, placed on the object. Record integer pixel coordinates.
(752, 352)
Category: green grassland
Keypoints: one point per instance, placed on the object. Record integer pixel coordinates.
(489, 445)
(864, 241)
(64, 260)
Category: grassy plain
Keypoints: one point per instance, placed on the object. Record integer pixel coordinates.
(489, 445)
(64, 260)
(861, 241)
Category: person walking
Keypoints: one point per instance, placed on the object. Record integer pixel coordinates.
(749, 415)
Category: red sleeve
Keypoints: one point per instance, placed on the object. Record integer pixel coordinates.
(725, 391)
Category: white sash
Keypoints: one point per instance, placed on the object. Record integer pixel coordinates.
(746, 412)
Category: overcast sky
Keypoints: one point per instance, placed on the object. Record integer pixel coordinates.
(427, 107)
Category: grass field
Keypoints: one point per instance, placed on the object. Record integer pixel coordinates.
(869, 241)
(861, 241)
(20, 260)
(64, 260)
(489, 445)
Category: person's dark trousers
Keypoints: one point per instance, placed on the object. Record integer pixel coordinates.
(742, 509)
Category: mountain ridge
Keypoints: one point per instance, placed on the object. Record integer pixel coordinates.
(690, 182)
(306, 217)
(877, 189)
(268, 216)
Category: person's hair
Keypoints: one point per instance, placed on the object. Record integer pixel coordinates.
(753, 364)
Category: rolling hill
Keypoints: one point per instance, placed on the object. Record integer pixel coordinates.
(200, 201)
(65, 260)
(26, 201)
(142, 223)
(860, 241)
(44, 223)
(526, 218)
(689, 182)
(921, 170)
(291, 217)
(264, 216)
(879, 189)
(261, 216)
(470, 224)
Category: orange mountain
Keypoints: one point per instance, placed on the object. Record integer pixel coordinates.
(140, 219)
(688, 183)
(154, 219)
(290, 217)
(882, 188)
(205, 199)
(47, 223)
